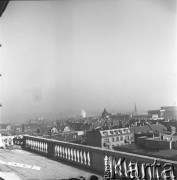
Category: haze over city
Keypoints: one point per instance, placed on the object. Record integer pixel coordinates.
(65, 56)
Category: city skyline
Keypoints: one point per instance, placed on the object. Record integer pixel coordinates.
(60, 56)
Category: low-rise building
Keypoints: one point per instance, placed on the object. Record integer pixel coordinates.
(168, 136)
(5, 127)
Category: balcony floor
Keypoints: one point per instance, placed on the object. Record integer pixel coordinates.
(42, 168)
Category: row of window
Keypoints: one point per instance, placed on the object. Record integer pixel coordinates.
(118, 138)
(117, 131)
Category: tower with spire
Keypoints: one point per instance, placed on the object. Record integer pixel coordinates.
(135, 110)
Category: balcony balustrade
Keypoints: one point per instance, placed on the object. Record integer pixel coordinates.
(120, 164)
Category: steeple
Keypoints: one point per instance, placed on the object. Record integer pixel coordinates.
(135, 110)
(105, 114)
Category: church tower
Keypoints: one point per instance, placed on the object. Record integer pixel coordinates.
(135, 110)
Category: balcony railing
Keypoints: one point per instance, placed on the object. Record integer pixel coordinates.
(101, 161)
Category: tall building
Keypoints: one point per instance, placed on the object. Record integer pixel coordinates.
(166, 112)
(169, 112)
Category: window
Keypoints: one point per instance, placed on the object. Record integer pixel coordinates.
(112, 132)
(120, 131)
(112, 139)
(127, 137)
(116, 131)
(121, 138)
(125, 131)
(106, 140)
(117, 138)
(105, 133)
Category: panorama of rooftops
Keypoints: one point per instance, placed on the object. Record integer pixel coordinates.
(87, 81)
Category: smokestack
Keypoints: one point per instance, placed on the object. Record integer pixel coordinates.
(83, 113)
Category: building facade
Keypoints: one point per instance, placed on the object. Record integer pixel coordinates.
(108, 139)
(169, 112)
(165, 112)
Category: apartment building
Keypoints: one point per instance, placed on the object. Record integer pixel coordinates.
(108, 139)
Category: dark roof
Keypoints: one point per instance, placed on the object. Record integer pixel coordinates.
(169, 108)
(75, 126)
(158, 127)
(86, 126)
(147, 128)
(105, 113)
(3, 126)
(3, 5)
(138, 129)
(169, 124)
(96, 125)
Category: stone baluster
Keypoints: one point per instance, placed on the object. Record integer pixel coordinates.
(75, 158)
(88, 158)
(69, 153)
(72, 154)
(42, 146)
(78, 159)
(85, 159)
(60, 152)
(37, 145)
(46, 148)
(31, 144)
(34, 145)
(66, 153)
(81, 156)
(56, 150)
(63, 150)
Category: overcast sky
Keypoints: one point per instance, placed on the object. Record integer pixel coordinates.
(69, 55)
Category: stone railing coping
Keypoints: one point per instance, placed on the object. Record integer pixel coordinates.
(105, 151)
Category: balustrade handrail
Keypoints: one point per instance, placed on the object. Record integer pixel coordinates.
(102, 151)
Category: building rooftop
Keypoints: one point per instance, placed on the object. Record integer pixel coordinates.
(111, 132)
(170, 154)
(158, 127)
(18, 164)
(149, 128)
(169, 108)
(138, 129)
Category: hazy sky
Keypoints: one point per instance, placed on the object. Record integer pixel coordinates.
(68, 55)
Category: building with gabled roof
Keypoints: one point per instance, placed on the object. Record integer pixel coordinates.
(159, 128)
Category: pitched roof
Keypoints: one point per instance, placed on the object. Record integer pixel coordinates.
(86, 126)
(138, 129)
(158, 127)
(97, 125)
(75, 126)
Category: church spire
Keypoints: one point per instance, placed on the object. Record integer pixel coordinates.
(135, 110)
